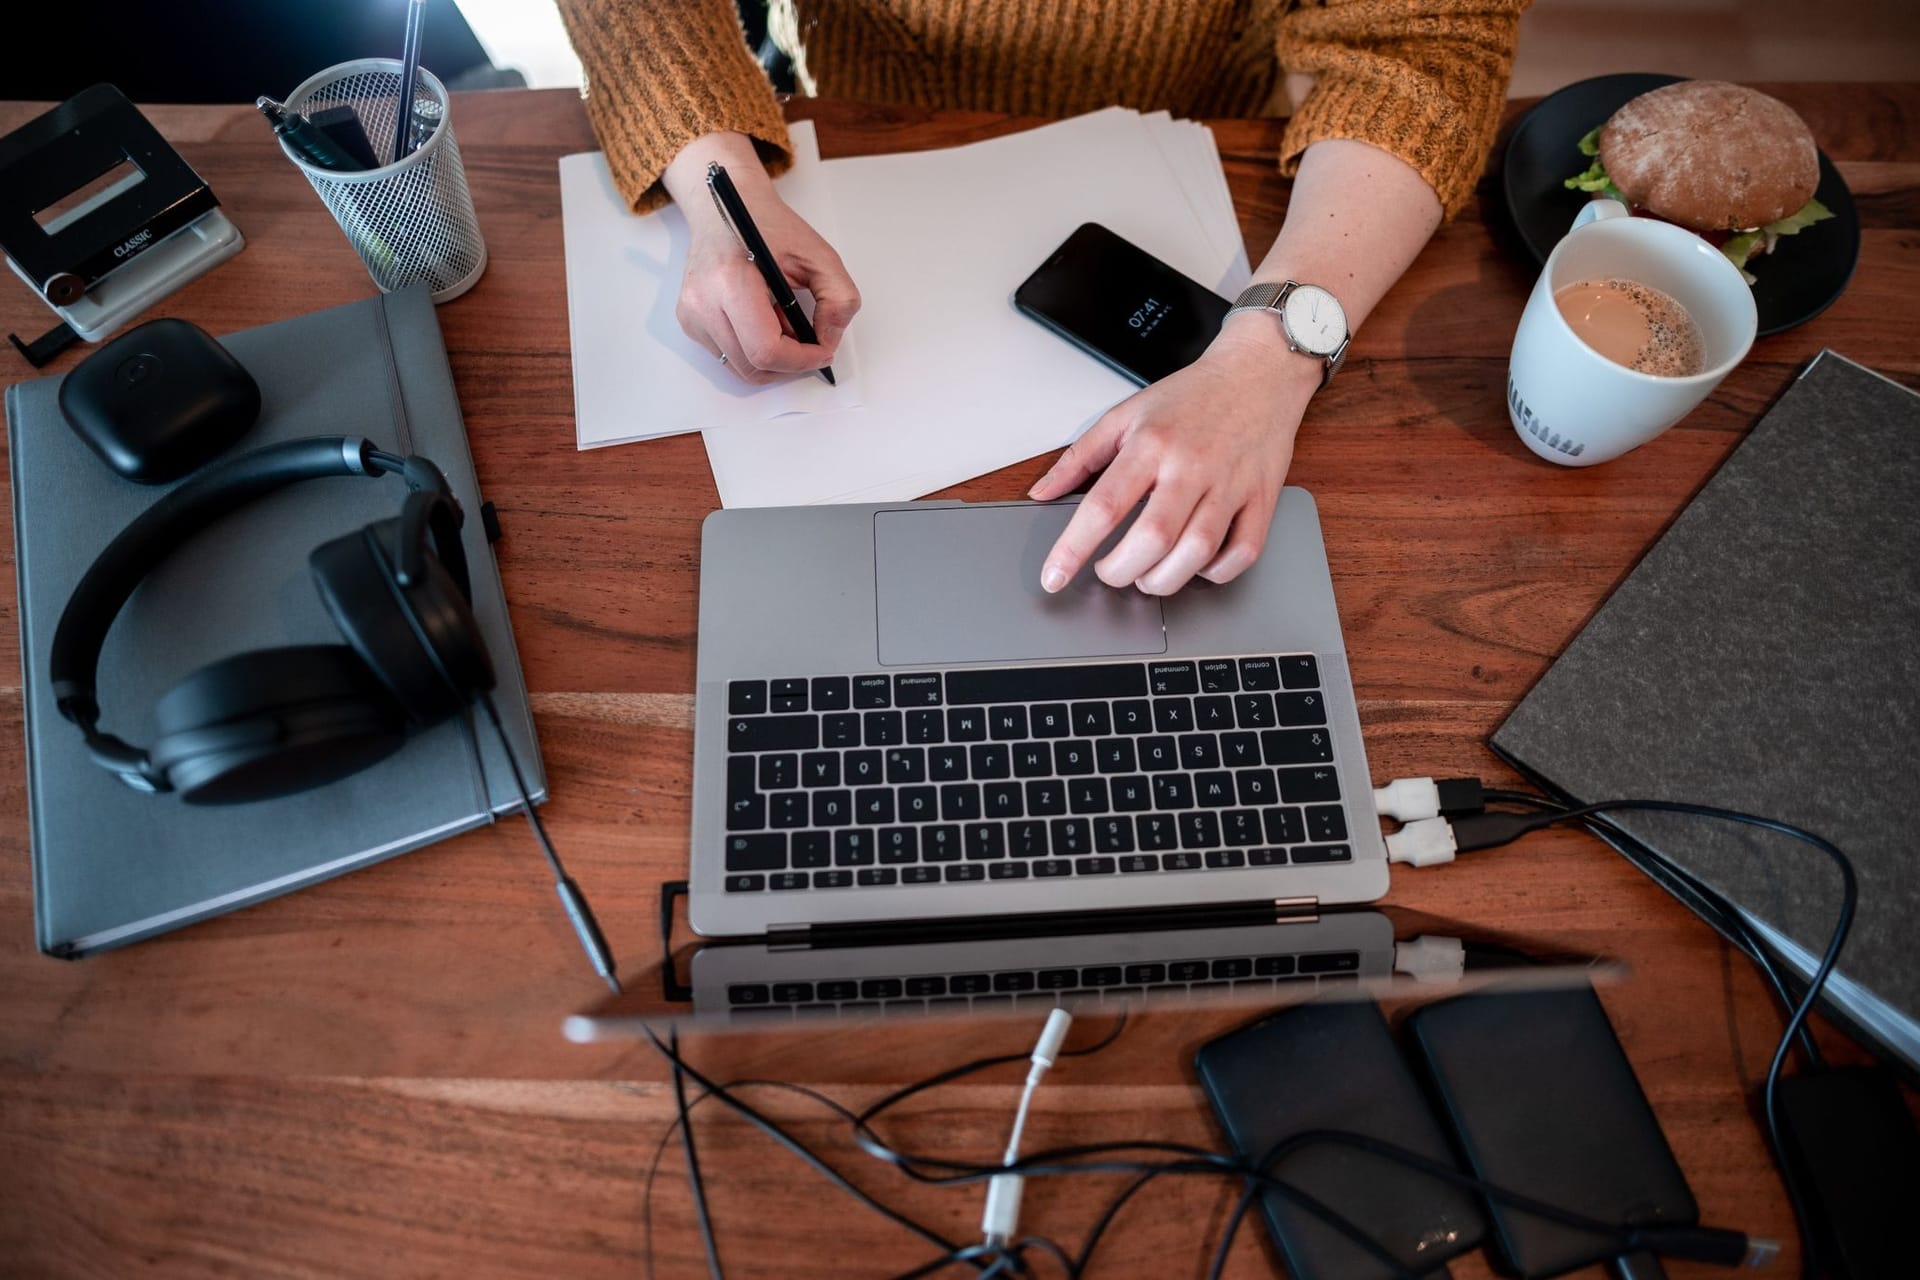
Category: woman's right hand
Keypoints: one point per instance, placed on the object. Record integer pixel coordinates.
(724, 304)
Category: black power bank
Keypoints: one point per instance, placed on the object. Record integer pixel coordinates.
(1543, 1101)
(1327, 1065)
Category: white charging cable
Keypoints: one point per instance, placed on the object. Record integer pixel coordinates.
(1002, 1215)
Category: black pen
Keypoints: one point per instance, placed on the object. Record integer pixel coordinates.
(299, 133)
(734, 210)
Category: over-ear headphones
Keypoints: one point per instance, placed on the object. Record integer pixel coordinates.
(270, 722)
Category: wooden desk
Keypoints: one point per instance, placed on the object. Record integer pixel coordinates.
(367, 1078)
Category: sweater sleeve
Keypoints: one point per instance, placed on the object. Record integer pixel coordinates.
(661, 73)
(1422, 79)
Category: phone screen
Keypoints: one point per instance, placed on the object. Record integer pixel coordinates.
(1120, 303)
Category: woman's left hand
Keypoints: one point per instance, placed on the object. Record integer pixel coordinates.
(1210, 444)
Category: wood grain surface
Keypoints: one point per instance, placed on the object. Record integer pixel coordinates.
(367, 1077)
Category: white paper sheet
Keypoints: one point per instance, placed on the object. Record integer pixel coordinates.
(636, 375)
(955, 382)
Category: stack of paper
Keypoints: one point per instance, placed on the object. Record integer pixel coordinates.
(951, 381)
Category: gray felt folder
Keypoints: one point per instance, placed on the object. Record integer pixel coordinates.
(110, 865)
(1765, 656)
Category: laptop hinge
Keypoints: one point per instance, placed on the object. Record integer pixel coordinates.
(877, 933)
(1296, 910)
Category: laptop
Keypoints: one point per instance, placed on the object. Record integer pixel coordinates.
(893, 722)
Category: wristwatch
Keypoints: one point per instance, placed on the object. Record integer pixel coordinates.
(1313, 320)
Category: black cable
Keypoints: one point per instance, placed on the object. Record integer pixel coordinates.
(693, 1161)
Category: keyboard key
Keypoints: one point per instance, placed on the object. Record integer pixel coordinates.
(788, 809)
(1146, 975)
(778, 772)
(919, 690)
(1173, 715)
(1094, 866)
(1219, 858)
(1007, 871)
(774, 733)
(881, 989)
(869, 876)
(746, 697)
(1300, 708)
(1230, 968)
(969, 984)
(873, 806)
(947, 764)
(899, 845)
(788, 695)
(1007, 724)
(1172, 791)
(1296, 746)
(749, 993)
(986, 840)
(1052, 721)
(820, 769)
(787, 880)
(1199, 830)
(1284, 826)
(1240, 828)
(1272, 966)
(1180, 862)
(990, 760)
(1214, 714)
(740, 779)
(747, 813)
(1032, 760)
(1172, 677)
(1307, 786)
(1002, 800)
(835, 990)
(1137, 862)
(862, 768)
(1113, 835)
(1018, 980)
(967, 724)
(906, 764)
(1156, 831)
(1213, 790)
(966, 871)
(1331, 962)
(1087, 795)
(832, 808)
(1239, 750)
(1322, 853)
(940, 844)
(1255, 787)
(919, 875)
(1058, 979)
(1052, 867)
(831, 693)
(872, 691)
(1091, 719)
(1131, 794)
(1259, 673)
(811, 849)
(1028, 684)
(1105, 975)
(1255, 710)
(927, 986)
(1300, 672)
(793, 993)
(853, 848)
(746, 884)
(840, 730)
(1114, 755)
(1266, 857)
(1326, 823)
(1199, 751)
(1219, 675)
(1187, 971)
(756, 853)
(882, 729)
(1046, 797)
(959, 802)
(1159, 754)
(1027, 839)
(918, 804)
(1071, 837)
(924, 726)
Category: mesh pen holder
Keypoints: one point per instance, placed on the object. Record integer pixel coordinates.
(412, 221)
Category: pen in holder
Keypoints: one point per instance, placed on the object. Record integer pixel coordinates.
(411, 221)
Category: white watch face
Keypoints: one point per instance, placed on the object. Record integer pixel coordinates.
(1314, 320)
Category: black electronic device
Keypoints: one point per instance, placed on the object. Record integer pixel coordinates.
(1121, 304)
(270, 722)
(1542, 1099)
(1852, 1143)
(1334, 1066)
(160, 400)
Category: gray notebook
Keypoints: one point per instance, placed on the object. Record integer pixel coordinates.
(110, 865)
(1765, 656)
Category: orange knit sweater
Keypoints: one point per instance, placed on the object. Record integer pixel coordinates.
(1423, 79)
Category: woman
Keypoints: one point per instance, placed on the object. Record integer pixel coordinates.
(1388, 143)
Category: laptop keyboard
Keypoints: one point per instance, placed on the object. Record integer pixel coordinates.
(1011, 773)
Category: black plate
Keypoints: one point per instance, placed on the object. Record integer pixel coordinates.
(1797, 281)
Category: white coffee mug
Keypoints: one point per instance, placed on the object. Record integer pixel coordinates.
(1574, 406)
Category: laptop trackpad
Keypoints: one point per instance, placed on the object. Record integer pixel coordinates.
(962, 584)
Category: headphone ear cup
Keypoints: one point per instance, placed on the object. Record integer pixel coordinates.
(421, 640)
(272, 722)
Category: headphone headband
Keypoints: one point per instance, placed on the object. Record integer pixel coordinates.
(158, 531)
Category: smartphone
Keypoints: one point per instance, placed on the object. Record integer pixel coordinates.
(1122, 305)
(1334, 1065)
(1542, 1100)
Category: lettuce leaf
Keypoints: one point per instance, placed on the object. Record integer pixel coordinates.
(1739, 249)
(1590, 145)
(1595, 178)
